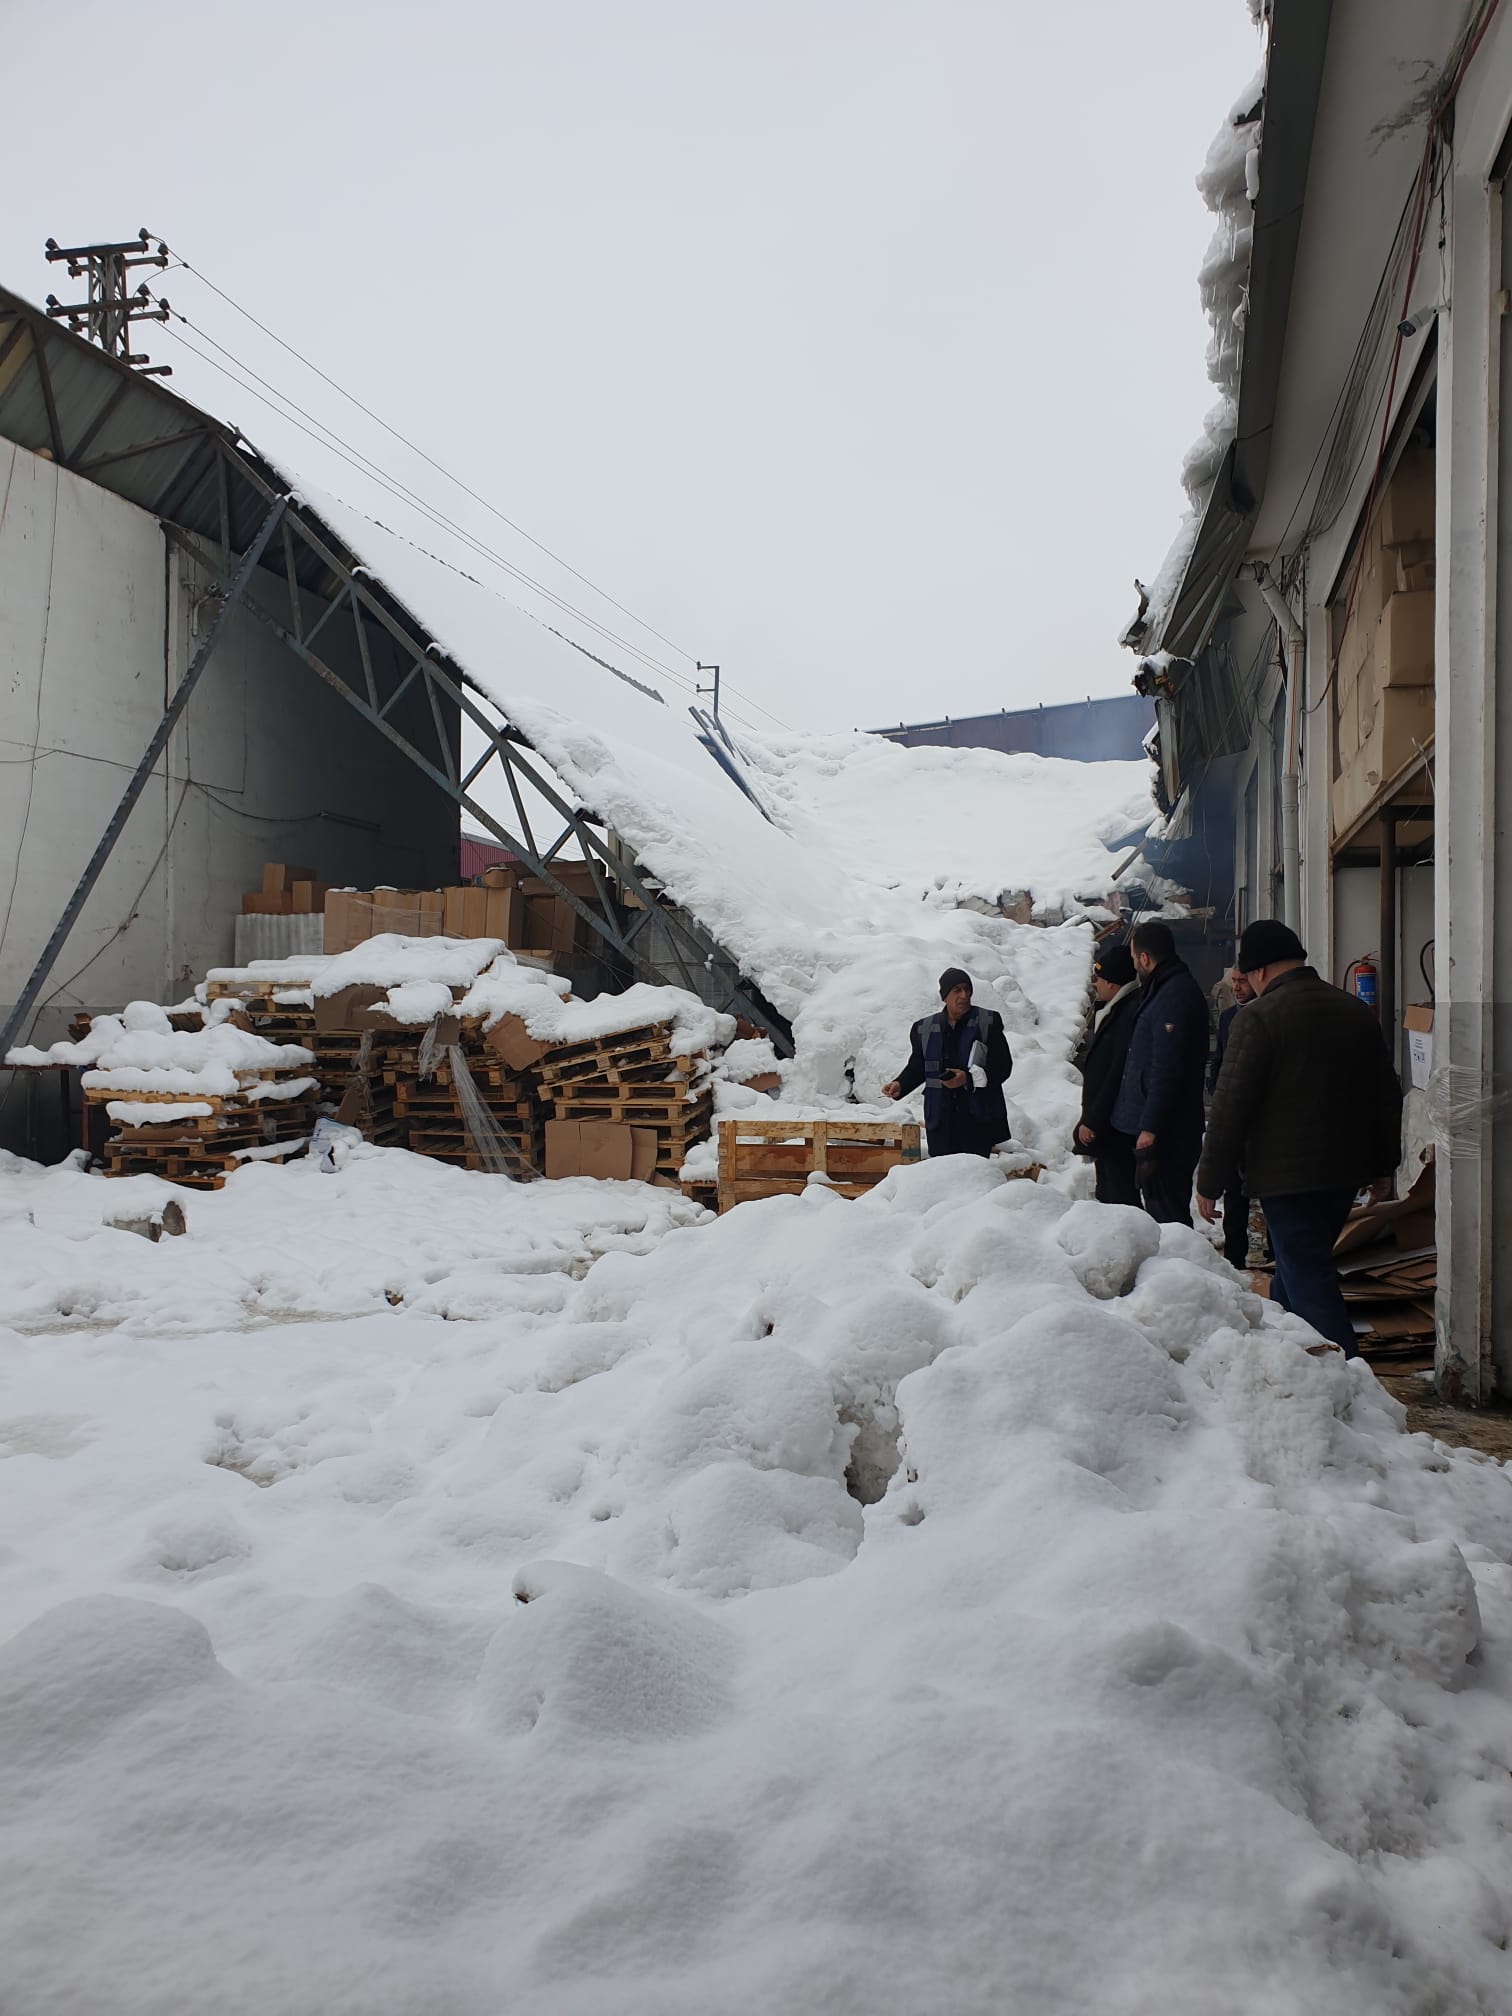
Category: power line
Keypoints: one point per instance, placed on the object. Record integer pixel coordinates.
(326, 437)
(317, 430)
(416, 449)
(440, 468)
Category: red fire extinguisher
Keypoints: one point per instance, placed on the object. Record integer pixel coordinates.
(1361, 977)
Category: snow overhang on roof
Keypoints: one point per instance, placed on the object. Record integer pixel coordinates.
(1293, 81)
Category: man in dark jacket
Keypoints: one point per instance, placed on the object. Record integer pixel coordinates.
(1308, 1104)
(1102, 1063)
(1160, 1098)
(962, 1060)
(1236, 1203)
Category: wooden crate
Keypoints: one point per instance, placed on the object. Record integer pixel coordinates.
(772, 1158)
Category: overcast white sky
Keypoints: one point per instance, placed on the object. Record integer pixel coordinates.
(854, 346)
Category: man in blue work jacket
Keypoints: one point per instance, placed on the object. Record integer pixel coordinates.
(962, 1060)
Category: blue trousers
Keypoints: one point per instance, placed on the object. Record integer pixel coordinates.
(1303, 1228)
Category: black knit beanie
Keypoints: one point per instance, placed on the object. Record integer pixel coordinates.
(953, 977)
(1267, 942)
(1115, 964)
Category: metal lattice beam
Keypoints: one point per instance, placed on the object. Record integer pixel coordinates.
(690, 948)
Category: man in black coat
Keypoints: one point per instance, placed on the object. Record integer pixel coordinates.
(1102, 1063)
(962, 1060)
(1160, 1097)
(1236, 1203)
(1309, 1105)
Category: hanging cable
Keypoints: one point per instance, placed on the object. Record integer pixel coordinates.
(415, 449)
(317, 430)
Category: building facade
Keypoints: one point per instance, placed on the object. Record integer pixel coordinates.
(1324, 647)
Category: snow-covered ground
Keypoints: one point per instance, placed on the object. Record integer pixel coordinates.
(433, 1597)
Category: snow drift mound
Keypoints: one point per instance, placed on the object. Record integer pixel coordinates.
(958, 1600)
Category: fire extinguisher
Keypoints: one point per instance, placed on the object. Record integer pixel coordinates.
(1361, 978)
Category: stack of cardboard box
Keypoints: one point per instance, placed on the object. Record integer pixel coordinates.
(352, 916)
(1383, 678)
(523, 911)
(286, 892)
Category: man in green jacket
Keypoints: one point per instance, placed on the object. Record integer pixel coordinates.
(1308, 1105)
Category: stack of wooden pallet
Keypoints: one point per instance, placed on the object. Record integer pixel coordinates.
(438, 1119)
(634, 1078)
(773, 1158)
(202, 1140)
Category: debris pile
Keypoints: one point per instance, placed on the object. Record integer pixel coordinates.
(452, 1048)
(1388, 1268)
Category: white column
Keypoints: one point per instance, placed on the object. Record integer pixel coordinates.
(1465, 733)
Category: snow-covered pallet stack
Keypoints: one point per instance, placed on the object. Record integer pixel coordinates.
(199, 1142)
(634, 1078)
(188, 1100)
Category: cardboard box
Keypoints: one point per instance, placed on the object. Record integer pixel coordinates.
(600, 1148)
(513, 1044)
(1405, 517)
(258, 904)
(1403, 728)
(347, 1010)
(1347, 717)
(278, 877)
(504, 915)
(574, 875)
(1367, 701)
(465, 913)
(1400, 728)
(501, 877)
(1404, 640)
(549, 925)
(340, 907)
(309, 898)
(1418, 1022)
(1355, 649)
(1414, 567)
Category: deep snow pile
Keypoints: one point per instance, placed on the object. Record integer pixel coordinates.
(547, 1658)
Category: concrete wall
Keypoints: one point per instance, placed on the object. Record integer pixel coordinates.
(100, 614)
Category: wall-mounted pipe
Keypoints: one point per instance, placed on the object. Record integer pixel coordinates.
(1295, 640)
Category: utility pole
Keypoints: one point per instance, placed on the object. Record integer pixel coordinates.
(714, 689)
(106, 317)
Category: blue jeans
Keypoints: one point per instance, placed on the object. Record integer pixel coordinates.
(1303, 1228)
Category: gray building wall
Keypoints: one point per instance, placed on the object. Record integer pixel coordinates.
(100, 614)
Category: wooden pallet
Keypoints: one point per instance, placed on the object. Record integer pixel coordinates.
(773, 1158)
(631, 1050)
(608, 1104)
(625, 1068)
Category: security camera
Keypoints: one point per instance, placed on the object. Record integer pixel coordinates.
(1414, 319)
